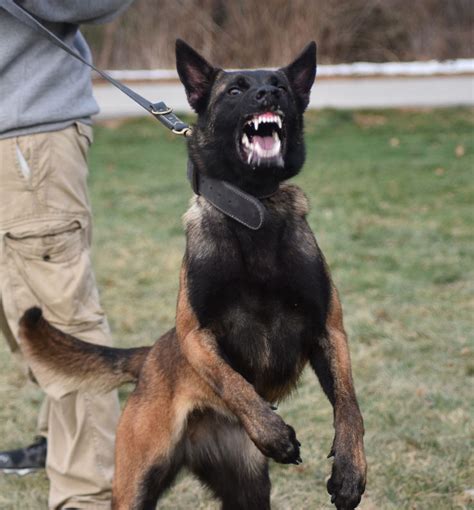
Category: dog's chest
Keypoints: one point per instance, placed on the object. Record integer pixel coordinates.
(263, 322)
(261, 294)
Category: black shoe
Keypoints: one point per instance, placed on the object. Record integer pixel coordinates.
(25, 460)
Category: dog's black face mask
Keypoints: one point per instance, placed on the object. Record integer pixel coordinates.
(250, 123)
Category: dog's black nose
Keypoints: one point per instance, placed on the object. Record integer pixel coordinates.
(267, 94)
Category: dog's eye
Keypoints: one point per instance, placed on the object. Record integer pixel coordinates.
(282, 88)
(234, 91)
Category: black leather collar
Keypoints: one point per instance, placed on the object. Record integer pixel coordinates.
(231, 200)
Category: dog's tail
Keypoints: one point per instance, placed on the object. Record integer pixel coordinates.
(75, 364)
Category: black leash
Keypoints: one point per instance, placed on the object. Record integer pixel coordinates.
(159, 110)
(227, 198)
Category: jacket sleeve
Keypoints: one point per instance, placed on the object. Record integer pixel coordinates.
(75, 11)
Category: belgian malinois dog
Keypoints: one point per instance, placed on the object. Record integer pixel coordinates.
(254, 308)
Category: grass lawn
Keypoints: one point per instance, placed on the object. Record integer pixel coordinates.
(392, 196)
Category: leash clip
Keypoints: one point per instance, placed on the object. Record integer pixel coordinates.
(186, 131)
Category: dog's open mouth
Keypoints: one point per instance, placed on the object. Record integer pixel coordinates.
(261, 140)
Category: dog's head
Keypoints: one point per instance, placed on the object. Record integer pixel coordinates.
(249, 129)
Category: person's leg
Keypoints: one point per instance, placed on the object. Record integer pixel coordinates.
(43, 417)
(42, 422)
(32, 457)
(83, 425)
(46, 231)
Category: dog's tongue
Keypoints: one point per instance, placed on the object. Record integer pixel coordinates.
(265, 142)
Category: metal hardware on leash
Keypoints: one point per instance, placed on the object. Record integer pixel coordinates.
(161, 112)
(184, 132)
(165, 115)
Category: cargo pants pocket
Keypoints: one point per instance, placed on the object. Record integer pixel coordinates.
(51, 267)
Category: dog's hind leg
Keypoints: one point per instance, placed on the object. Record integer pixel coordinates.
(236, 490)
(148, 450)
(221, 454)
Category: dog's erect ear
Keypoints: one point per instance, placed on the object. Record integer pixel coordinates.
(301, 74)
(195, 73)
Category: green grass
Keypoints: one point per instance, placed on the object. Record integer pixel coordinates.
(391, 195)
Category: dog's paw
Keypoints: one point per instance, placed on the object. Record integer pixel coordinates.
(347, 482)
(285, 448)
(277, 440)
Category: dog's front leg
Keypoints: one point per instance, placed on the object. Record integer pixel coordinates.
(272, 436)
(331, 361)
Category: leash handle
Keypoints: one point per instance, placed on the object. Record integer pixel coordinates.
(159, 110)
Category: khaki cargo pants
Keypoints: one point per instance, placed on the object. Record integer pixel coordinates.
(45, 236)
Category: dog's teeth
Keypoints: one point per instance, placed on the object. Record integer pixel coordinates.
(275, 136)
(249, 157)
(276, 148)
(278, 121)
(245, 140)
